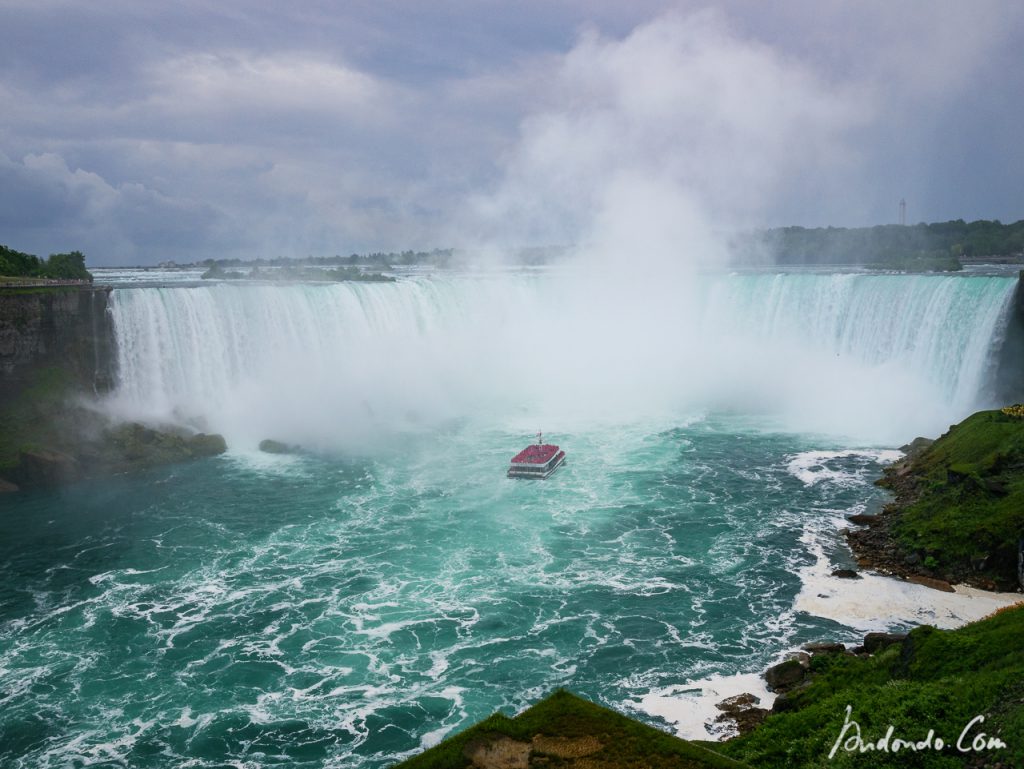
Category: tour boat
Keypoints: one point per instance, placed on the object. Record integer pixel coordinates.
(536, 461)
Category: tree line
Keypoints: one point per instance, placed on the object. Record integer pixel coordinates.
(887, 244)
(69, 266)
(439, 257)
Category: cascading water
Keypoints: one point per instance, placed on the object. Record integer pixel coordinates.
(877, 356)
(329, 609)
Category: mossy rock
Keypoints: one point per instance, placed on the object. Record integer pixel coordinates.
(965, 496)
(203, 445)
(270, 446)
(567, 731)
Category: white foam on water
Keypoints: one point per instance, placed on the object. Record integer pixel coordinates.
(812, 467)
(690, 707)
(879, 603)
(872, 603)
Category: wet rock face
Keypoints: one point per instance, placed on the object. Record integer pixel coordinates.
(56, 354)
(862, 519)
(110, 450)
(825, 647)
(135, 446)
(69, 328)
(203, 445)
(1020, 562)
(788, 673)
(42, 467)
(270, 446)
(845, 574)
(743, 711)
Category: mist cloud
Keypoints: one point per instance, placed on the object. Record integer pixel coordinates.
(304, 130)
(680, 123)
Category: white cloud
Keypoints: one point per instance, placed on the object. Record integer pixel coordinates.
(239, 82)
(354, 128)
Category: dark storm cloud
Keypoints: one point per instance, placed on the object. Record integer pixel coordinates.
(140, 131)
(54, 208)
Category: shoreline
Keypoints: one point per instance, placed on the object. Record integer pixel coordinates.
(691, 709)
(973, 468)
(870, 602)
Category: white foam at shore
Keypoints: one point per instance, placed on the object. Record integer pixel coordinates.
(690, 708)
(812, 467)
(872, 603)
(876, 602)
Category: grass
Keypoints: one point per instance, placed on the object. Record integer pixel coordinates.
(54, 289)
(937, 680)
(970, 505)
(29, 419)
(624, 742)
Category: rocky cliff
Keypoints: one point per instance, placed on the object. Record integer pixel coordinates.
(64, 327)
(56, 355)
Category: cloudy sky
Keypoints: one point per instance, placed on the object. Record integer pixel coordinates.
(141, 131)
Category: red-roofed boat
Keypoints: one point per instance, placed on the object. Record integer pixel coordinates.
(536, 461)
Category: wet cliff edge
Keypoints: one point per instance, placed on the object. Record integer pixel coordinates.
(57, 361)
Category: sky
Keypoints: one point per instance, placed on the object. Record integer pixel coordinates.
(139, 132)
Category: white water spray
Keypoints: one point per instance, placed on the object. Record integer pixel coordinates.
(874, 357)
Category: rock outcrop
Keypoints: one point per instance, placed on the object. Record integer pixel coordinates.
(958, 511)
(788, 673)
(875, 642)
(271, 446)
(56, 356)
(67, 327)
(742, 710)
(108, 449)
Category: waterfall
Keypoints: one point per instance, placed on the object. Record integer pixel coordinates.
(876, 356)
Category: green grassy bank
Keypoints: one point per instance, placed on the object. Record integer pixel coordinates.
(937, 681)
(564, 730)
(960, 503)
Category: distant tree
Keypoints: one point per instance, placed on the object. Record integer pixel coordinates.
(940, 242)
(69, 266)
(18, 264)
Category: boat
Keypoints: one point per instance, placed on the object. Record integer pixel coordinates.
(537, 460)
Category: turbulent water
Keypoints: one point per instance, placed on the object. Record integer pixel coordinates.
(349, 605)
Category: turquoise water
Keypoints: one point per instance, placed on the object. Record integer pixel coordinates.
(354, 604)
(262, 611)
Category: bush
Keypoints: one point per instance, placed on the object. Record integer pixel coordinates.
(69, 266)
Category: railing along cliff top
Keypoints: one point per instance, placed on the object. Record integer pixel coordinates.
(43, 283)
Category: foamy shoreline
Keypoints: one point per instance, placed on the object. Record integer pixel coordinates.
(874, 602)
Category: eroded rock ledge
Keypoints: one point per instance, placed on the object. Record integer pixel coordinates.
(110, 449)
(958, 510)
